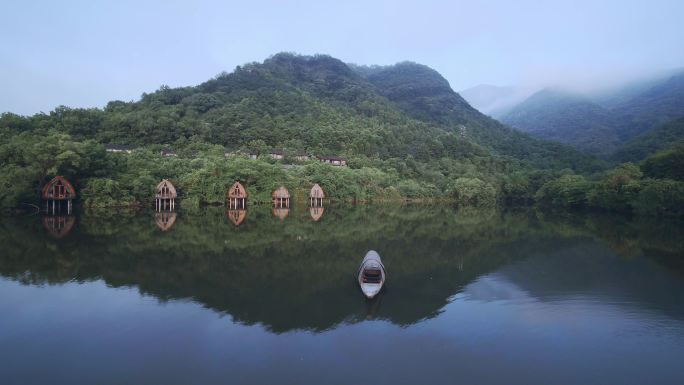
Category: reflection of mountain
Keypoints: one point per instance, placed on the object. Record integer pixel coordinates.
(293, 276)
(590, 271)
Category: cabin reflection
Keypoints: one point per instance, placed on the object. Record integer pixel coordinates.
(236, 216)
(316, 212)
(58, 225)
(281, 212)
(165, 220)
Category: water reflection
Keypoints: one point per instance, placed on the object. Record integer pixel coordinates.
(316, 212)
(236, 216)
(305, 275)
(58, 225)
(281, 212)
(165, 220)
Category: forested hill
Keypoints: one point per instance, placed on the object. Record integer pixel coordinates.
(657, 139)
(404, 133)
(315, 104)
(569, 118)
(425, 95)
(653, 107)
(604, 124)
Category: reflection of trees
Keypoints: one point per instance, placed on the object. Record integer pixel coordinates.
(297, 276)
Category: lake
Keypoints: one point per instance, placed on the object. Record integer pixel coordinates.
(515, 297)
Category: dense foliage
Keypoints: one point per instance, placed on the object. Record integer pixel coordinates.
(656, 139)
(655, 188)
(203, 175)
(404, 132)
(568, 118)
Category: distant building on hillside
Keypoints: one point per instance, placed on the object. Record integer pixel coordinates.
(168, 152)
(334, 160)
(277, 154)
(119, 148)
(228, 152)
(251, 154)
(302, 156)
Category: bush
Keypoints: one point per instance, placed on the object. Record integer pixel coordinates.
(472, 192)
(618, 188)
(99, 192)
(660, 197)
(568, 191)
(666, 164)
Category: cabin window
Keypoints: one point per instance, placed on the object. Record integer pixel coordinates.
(58, 190)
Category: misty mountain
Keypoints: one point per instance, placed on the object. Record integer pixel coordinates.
(600, 124)
(566, 117)
(423, 94)
(495, 101)
(615, 96)
(652, 107)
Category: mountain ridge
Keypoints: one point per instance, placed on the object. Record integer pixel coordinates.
(601, 124)
(319, 104)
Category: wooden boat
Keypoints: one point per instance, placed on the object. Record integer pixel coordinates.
(371, 274)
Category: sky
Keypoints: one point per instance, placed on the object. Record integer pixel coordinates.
(86, 53)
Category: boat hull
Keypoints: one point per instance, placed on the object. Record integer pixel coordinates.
(371, 262)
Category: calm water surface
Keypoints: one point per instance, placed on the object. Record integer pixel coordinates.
(472, 297)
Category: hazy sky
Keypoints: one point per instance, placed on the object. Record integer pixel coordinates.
(85, 53)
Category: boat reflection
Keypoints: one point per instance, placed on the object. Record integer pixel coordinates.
(373, 307)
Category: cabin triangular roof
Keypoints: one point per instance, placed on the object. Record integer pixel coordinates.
(316, 192)
(237, 190)
(169, 185)
(70, 192)
(281, 192)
